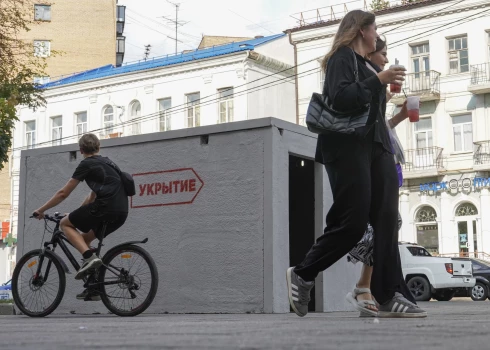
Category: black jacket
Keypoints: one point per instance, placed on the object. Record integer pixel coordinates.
(346, 95)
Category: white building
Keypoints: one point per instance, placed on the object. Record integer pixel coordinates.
(232, 82)
(445, 46)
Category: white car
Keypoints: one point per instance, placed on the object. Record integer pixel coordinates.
(435, 277)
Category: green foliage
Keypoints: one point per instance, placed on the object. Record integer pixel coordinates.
(18, 68)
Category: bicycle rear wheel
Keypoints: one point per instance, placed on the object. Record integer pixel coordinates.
(134, 278)
(38, 295)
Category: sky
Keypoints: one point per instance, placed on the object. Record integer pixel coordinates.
(146, 25)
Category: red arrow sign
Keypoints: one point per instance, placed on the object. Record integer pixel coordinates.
(169, 187)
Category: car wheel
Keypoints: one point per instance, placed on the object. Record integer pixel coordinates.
(444, 295)
(420, 288)
(479, 292)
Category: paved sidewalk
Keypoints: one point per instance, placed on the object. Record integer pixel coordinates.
(455, 325)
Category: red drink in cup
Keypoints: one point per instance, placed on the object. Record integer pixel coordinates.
(413, 107)
(413, 115)
(394, 87)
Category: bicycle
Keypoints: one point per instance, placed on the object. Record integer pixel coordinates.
(117, 284)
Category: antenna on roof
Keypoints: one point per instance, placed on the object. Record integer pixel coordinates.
(147, 51)
(176, 22)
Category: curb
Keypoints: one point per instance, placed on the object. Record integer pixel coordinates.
(7, 309)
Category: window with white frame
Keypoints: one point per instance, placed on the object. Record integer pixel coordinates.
(225, 105)
(322, 74)
(488, 45)
(56, 130)
(193, 110)
(108, 121)
(30, 134)
(463, 133)
(423, 133)
(81, 124)
(165, 121)
(135, 113)
(420, 59)
(42, 12)
(458, 55)
(42, 48)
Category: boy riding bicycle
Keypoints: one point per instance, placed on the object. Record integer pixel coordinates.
(107, 202)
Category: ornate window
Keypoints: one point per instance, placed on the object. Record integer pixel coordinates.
(426, 214)
(466, 209)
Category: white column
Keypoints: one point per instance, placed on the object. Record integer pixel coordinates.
(485, 221)
(406, 233)
(448, 236)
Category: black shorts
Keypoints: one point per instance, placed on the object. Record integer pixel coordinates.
(85, 219)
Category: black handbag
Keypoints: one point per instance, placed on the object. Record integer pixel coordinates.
(126, 179)
(322, 118)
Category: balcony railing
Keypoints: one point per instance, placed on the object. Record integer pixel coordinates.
(425, 84)
(481, 154)
(423, 160)
(480, 73)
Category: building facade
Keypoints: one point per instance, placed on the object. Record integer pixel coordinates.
(80, 45)
(445, 46)
(233, 82)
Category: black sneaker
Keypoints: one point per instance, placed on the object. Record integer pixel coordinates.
(89, 265)
(298, 292)
(88, 296)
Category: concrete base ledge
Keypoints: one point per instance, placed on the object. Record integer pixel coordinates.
(7, 309)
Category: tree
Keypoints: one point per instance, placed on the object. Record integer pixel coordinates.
(18, 68)
(378, 5)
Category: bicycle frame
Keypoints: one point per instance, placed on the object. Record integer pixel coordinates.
(59, 238)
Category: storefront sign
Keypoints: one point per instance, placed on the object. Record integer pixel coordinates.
(170, 187)
(464, 185)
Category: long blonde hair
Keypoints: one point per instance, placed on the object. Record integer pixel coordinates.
(349, 28)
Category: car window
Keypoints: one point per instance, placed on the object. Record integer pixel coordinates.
(476, 266)
(418, 251)
(484, 264)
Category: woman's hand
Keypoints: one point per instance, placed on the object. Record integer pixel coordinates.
(404, 111)
(393, 75)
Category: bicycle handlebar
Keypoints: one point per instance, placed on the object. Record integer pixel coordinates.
(56, 218)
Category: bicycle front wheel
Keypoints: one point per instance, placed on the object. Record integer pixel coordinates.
(129, 280)
(38, 283)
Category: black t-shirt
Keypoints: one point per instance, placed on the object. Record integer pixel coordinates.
(105, 181)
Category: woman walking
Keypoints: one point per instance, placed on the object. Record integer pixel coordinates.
(361, 171)
(361, 296)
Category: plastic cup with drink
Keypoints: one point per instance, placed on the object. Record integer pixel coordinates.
(396, 88)
(413, 107)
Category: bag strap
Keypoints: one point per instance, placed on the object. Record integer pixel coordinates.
(111, 164)
(356, 68)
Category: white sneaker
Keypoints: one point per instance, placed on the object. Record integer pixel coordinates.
(88, 266)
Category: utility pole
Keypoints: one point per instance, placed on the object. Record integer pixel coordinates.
(147, 51)
(176, 22)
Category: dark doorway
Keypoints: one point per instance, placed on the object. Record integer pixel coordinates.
(301, 212)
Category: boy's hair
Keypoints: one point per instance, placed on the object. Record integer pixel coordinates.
(89, 144)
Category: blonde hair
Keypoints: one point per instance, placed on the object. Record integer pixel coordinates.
(349, 28)
(89, 144)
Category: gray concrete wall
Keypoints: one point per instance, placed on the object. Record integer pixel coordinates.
(223, 250)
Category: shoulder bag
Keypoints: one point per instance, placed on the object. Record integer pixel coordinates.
(322, 118)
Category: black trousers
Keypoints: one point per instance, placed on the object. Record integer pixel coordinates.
(364, 184)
